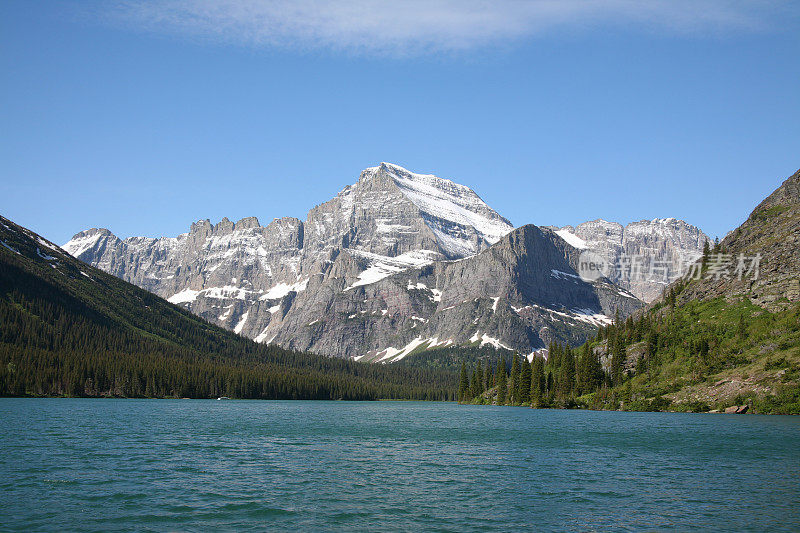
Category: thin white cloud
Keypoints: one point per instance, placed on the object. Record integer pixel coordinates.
(419, 26)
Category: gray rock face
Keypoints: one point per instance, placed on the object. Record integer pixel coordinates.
(520, 294)
(395, 263)
(759, 260)
(241, 275)
(645, 256)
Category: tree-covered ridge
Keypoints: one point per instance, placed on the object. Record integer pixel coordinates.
(727, 334)
(69, 329)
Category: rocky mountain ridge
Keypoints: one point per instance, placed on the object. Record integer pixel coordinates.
(759, 260)
(727, 334)
(645, 256)
(68, 329)
(396, 262)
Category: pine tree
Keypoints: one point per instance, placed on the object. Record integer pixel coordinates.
(584, 378)
(514, 380)
(463, 383)
(566, 382)
(554, 358)
(537, 382)
(617, 361)
(475, 384)
(595, 371)
(502, 382)
(524, 388)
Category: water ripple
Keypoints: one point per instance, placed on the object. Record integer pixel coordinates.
(123, 465)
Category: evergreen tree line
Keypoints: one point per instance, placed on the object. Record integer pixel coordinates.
(65, 334)
(569, 373)
(556, 381)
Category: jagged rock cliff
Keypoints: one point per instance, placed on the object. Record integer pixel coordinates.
(394, 263)
(520, 294)
(645, 256)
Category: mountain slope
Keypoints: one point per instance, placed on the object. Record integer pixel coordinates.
(771, 232)
(68, 328)
(519, 294)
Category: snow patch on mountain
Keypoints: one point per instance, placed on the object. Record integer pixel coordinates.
(485, 339)
(184, 296)
(391, 354)
(282, 289)
(572, 239)
(44, 256)
(84, 241)
(241, 323)
(228, 291)
(591, 316)
(381, 266)
(560, 274)
(260, 338)
(47, 244)
(9, 247)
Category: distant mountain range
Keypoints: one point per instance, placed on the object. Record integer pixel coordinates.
(398, 263)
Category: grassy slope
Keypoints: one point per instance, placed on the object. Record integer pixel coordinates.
(753, 358)
(719, 342)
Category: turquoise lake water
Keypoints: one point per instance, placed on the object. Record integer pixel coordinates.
(192, 465)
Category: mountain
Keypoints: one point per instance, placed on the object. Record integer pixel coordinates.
(647, 255)
(725, 336)
(772, 234)
(519, 294)
(67, 328)
(384, 269)
(238, 275)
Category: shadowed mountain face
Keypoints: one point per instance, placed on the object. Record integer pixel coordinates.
(519, 294)
(394, 263)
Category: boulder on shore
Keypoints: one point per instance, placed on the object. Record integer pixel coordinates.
(736, 409)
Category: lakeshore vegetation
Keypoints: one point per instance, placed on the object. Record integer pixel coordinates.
(671, 358)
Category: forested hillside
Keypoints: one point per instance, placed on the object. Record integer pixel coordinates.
(725, 336)
(69, 329)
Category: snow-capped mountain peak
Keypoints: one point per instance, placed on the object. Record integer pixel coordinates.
(458, 217)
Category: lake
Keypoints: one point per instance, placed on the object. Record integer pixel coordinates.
(195, 465)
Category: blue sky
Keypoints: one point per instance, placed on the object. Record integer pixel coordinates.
(144, 116)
